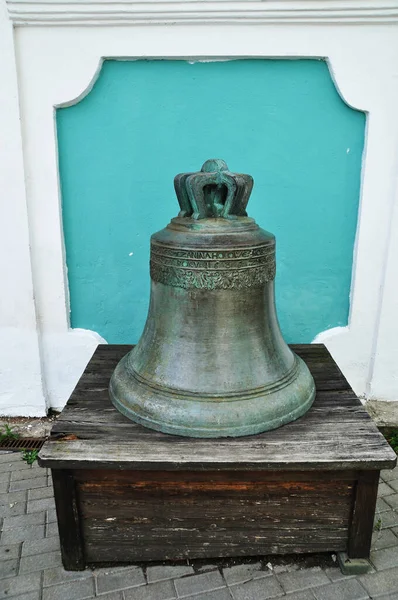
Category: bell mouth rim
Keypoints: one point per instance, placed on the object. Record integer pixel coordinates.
(219, 432)
(180, 417)
(192, 396)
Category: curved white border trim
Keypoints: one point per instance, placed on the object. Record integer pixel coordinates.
(92, 12)
(92, 80)
(65, 358)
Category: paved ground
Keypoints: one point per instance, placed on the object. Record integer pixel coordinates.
(28, 426)
(30, 567)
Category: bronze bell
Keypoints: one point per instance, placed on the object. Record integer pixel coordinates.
(211, 361)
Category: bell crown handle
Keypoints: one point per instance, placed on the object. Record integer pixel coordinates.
(213, 192)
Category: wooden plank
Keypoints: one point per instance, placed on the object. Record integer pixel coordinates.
(166, 515)
(67, 508)
(100, 477)
(336, 433)
(238, 545)
(152, 452)
(328, 407)
(360, 536)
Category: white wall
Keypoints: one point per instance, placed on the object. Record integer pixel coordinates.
(21, 385)
(58, 48)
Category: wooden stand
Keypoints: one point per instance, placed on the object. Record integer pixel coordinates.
(126, 493)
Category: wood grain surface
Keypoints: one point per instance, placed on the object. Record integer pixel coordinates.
(160, 515)
(335, 434)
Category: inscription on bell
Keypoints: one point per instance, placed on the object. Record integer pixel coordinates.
(212, 270)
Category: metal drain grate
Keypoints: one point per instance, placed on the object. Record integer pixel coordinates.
(22, 444)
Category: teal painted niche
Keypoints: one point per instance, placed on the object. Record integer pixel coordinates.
(144, 121)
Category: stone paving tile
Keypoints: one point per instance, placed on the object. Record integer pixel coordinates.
(112, 580)
(12, 461)
(384, 582)
(51, 515)
(384, 559)
(4, 487)
(73, 590)
(5, 477)
(8, 568)
(40, 493)
(306, 595)
(112, 596)
(30, 596)
(31, 547)
(221, 594)
(242, 573)
(52, 529)
(382, 506)
(387, 475)
(384, 490)
(257, 589)
(388, 519)
(161, 590)
(349, 589)
(394, 485)
(58, 575)
(384, 539)
(161, 572)
(188, 586)
(10, 551)
(30, 473)
(335, 574)
(5, 454)
(14, 586)
(19, 534)
(27, 484)
(392, 501)
(42, 504)
(300, 580)
(37, 562)
(13, 504)
(23, 520)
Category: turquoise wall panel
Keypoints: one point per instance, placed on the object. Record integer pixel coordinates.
(145, 121)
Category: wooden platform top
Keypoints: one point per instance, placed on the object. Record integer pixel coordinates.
(336, 433)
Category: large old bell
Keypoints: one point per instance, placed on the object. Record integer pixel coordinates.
(211, 361)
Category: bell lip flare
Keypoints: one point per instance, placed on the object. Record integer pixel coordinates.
(209, 419)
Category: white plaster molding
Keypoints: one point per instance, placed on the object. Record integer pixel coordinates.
(65, 358)
(21, 389)
(338, 341)
(58, 66)
(108, 12)
(383, 380)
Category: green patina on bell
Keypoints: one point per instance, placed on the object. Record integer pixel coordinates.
(211, 361)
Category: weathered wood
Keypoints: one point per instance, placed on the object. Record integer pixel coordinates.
(336, 433)
(68, 516)
(360, 536)
(127, 493)
(236, 544)
(159, 515)
(132, 478)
